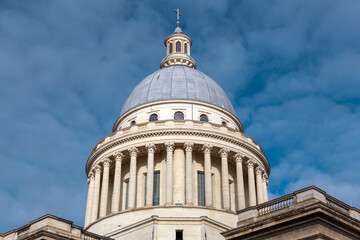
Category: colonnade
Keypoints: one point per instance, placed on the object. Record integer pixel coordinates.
(97, 201)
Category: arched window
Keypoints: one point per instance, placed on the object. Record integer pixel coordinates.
(153, 117)
(133, 123)
(223, 123)
(170, 48)
(178, 46)
(204, 118)
(178, 116)
(185, 49)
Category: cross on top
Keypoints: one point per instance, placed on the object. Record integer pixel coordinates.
(178, 14)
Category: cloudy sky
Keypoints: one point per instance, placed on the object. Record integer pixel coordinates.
(290, 68)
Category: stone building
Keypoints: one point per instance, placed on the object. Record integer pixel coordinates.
(179, 166)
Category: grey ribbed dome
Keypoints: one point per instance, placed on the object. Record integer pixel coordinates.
(178, 82)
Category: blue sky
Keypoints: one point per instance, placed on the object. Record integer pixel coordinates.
(290, 68)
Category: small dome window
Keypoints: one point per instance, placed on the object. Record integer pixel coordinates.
(223, 123)
(178, 46)
(153, 117)
(204, 118)
(179, 116)
(185, 48)
(133, 123)
(170, 48)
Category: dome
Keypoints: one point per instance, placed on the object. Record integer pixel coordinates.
(178, 82)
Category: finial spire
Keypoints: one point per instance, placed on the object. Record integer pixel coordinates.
(178, 17)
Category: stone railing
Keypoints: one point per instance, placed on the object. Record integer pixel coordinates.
(276, 204)
(85, 235)
(304, 197)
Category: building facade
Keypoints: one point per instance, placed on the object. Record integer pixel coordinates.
(178, 166)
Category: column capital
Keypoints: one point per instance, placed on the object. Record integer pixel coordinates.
(106, 162)
(258, 170)
(224, 152)
(91, 177)
(239, 157)
(207, 148)
(264, 177)
(118, 156)
(250, 164)
(97, 169)
(188, 146)
(169, 146)
(133, 151)
(150, 147)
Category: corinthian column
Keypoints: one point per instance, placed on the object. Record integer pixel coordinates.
(105, 188)
(115, 203)
(259, 185)
(89, 198)
(264, 181)
(150, 174)
(225, 177)
(188, 173)
(95, 202)
(240, 181)
(169, 172)
(207, 174)
(251, 181)
(132, 179)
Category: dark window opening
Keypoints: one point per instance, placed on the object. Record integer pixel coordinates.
(178, 116)
(170, 48)
(201, 189)
(179, 235)
(204, 118)
(178, 47)
(156, 189)
(133, 123)
(153, 117)
(185, 48)
(223, 123)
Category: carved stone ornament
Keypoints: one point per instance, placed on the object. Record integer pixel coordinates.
(97, 169)
(106, 162)
(150, 147)
(207, 148)
(224, 152)
(118, 156)
(133, 151)
(258, 171)
(250, 164)
(188, 146)
(169, 146)
(239, 157)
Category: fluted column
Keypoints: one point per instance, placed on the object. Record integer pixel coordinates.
(105, 188)
(132, 178)
(115, 203)
(207, 174)
(251, 181)
(265, 191)
(89, 198)
(240, 181)
(225, 177)
(150, 174)
(188, 173)
(169, 172)
(96, 195)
